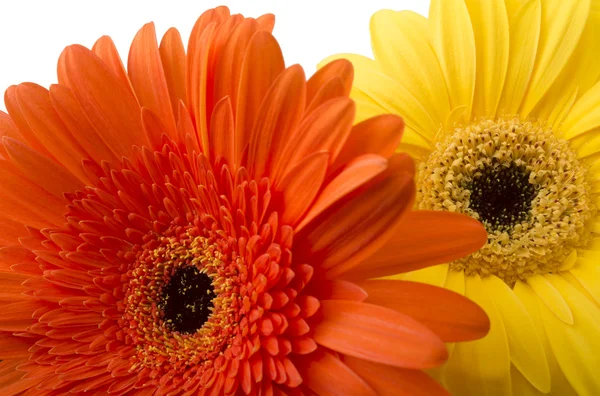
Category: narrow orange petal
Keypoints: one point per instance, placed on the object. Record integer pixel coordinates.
(46, 124)
(262, 64)
(266, 22)
(18, 119)
(387, 380)
(41, 170)
(358, 172)
(339, 69)
(378, 135)
(153, 127)
(72, 115)
(228, 68)
(353, 229)
(326, 129)
(23, 201)
(12, 347)
(148, 77)
(277, 118)
(106, 50)
(222, 131)
(172, 54)
(11, 231)
(301, 184)
(378, 334)
(320, 367)
(108, 104)
(338, 289)
(332, 89)
(453, 317)
(425, 238)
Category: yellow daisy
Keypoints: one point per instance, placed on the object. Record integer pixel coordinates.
(502, 107)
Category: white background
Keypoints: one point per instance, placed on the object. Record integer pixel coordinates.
(33, 33)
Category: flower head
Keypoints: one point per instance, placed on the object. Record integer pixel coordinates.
(502, 104)
(191, 226)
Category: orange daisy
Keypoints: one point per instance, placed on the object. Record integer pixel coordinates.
(205, 222)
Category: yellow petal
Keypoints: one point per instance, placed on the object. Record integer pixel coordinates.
(366, 109)
(555, 107)
(562, 25)
(521, 386)
(532, 303)
(525, 28)
(453, 41)
(382, 90)
(455, 281)
(526, 350)
(576, 347)
(551, 297)
(435, 275)
(587, 273)
(400, 42)
(585, 114)
(490, 26)
(480, 367)
(512, 6)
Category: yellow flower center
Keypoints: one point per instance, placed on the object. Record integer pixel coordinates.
(523, 183)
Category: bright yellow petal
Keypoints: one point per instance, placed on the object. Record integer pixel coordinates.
(525, 28)
(521, 386)
(576, 347)
(585, 114)
(366, 109)
(579, 75)
(587, 273)
(372, 85)
(409, 59)
(453, 41)
(562, 25)
(490, 26)
(512, 6)
(526, 350)
(531, 302)
(435, 275)
(480, 367)
(551, 297)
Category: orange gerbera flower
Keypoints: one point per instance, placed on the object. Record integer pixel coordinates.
(191, 226)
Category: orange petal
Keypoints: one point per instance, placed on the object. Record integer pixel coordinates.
(46, 124)
(11, 231)
(41, 170)
(319, 368)
(340, 70)
(451, 316)
(8, 127)
(333, 89)
(72, 115)
(424, 238)
(301, 184)
(106, 50)
(229, 65)
(262, 64)
(153, 127)
(359, 172)
(148, 77)
(107, 103)
(266, 22)
(26, 202)
(353, 229)
(326, 129)
(378, 135)
(172, 55)
(222, 131)
(387, 380)
(339, 290)
(378, 334)
(18, 119)
(12, 347)
(275, 121)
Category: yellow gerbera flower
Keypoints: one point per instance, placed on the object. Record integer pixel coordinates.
(502, 105)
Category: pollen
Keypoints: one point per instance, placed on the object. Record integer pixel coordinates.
(523, 183)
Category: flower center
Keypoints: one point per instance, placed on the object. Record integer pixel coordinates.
(523, 183)
(501, 194)
(187, 300)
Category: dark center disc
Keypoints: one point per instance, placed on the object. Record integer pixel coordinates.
(502, 195)
(187, 299)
